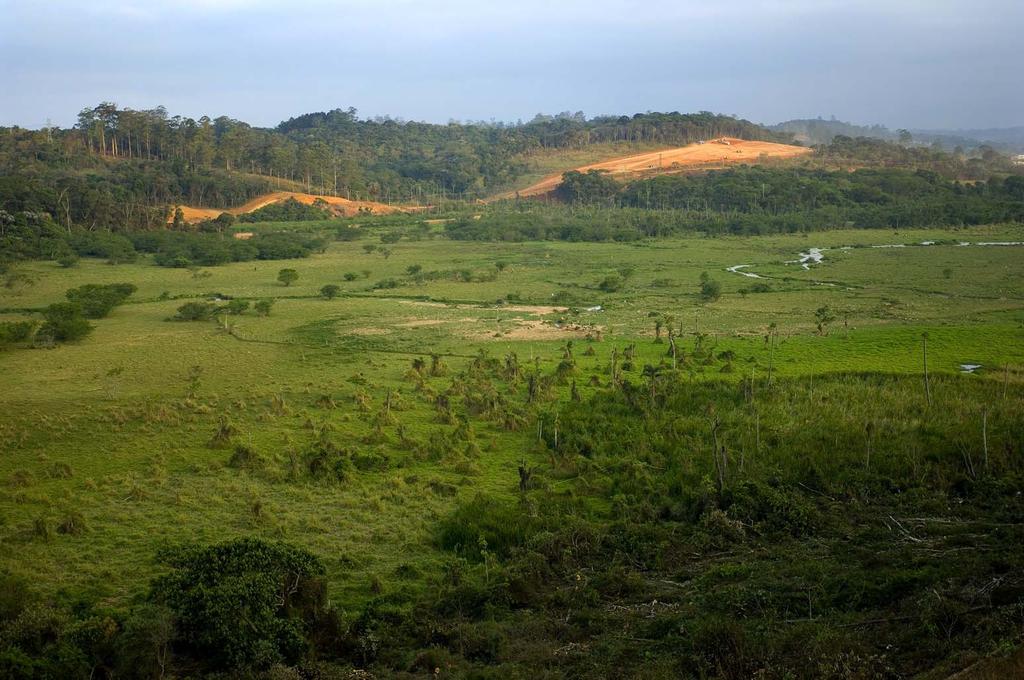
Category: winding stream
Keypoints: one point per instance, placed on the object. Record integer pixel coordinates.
(817, 255)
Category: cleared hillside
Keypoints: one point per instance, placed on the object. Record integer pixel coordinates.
(716, 153)
(341, 207)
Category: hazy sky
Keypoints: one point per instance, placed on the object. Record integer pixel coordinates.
(903, 63)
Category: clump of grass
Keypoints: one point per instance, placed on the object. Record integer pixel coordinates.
(21, 478)
(245, 457)
(41, 528)
(278, 406)
(60, 470)
(136, 493)
(223, 434)
(73, 524)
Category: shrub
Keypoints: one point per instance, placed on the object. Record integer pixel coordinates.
(64, 323)
(262, 307)
(16, 331)
(195, 311)
(245, 458)
(287, 276)
(501, 526)
(710, 290)
(330, 291)
(67, 259)
(96, 301)
(276, 589)
(237, 306)
(610, 284)
(73, 524)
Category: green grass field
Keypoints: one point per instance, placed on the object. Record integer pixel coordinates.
(106, 428)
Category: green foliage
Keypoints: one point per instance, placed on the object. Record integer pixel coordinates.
(330, 291)
(288, 210)
(287, 276)
(67, 258)
(610, 284)
(97, 301)
(12, 332)
(243, 604)
(263, 307)
(236, 306)
(196, 311)
(485, 521)
(63, 323)
(592, 187)
(710, 289)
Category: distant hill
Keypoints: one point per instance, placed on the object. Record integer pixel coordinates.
(1004, 139)
(820, 131)
(817, 131)
(122, 168)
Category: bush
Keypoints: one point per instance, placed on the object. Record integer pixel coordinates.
(262, 307)
(330, 291)
(275, 589)
(710, 290)
(67, 258)
(195, 311)
(610, 284)
(237, 306)
(64, 323)
(16, 331)
(246, 458)
(287, 276)
(485, 521)
(96, 301)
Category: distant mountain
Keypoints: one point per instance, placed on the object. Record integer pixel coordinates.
(1004, 139)
(821, 131)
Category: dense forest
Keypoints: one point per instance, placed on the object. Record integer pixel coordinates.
(121, 169)
(749, 200)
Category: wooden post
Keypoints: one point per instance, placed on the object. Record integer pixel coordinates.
(927, 387)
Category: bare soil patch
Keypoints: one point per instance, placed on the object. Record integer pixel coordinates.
(715, 153)
(341, 207)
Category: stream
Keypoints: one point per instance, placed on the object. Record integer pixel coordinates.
(817, 255)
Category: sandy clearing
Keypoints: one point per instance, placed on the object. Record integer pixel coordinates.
(536, 329)
(417, 323)
(341, 207)
(368, 331)
(723, 151)
(526, 309)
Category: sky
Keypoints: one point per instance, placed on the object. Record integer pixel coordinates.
(901, 63)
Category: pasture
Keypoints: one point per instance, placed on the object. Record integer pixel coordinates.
(117, 428)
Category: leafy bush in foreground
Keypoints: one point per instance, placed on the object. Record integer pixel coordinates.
(243, 604)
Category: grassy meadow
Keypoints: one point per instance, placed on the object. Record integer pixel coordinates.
(131, 430)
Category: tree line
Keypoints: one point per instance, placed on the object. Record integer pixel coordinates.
(748, 200)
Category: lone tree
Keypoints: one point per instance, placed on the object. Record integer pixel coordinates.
(262, 307)
(710, 290)
(330, 291)
(824, 316)
(287, 276)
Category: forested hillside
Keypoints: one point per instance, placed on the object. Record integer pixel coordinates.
(122, 169)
